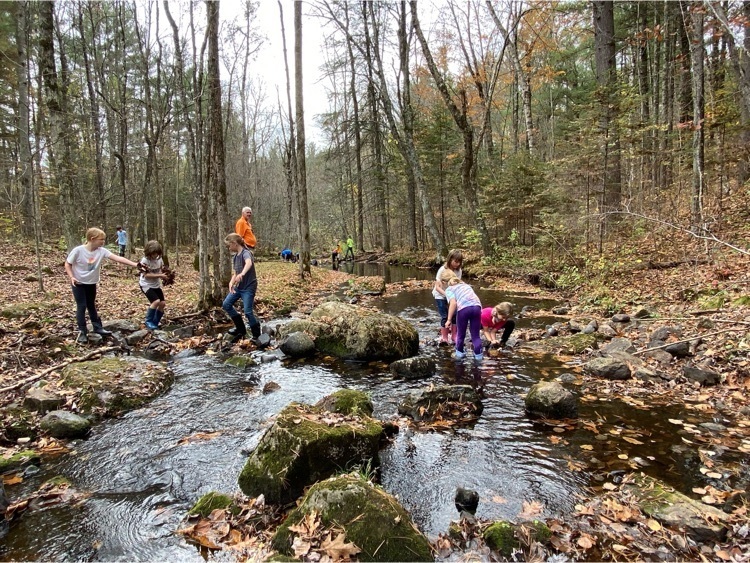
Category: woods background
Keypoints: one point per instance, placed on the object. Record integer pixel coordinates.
(542, 131)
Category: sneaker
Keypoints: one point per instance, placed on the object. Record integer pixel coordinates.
(478, 357)
(82, 338)
(151, 326)
(103, 332)
(458, 355)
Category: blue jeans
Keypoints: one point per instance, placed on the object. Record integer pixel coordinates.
(442, 307)
(248, 298)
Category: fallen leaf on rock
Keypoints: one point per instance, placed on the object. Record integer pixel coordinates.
(337, 549)
(531, 510)
(653, 525)
(586, 541)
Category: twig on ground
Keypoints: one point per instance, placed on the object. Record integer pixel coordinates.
(687, 340)
(41, 374)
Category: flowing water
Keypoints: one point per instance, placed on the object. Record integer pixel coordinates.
(142, 474)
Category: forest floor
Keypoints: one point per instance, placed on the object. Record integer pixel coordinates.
(37, 333)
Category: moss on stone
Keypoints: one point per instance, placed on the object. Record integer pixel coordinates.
(240, 362)
(18, 459)
(18, 310)
(541, 531)
(501, 537)
(111, 386)
(210, 502)
(56, 481)
(371, 518)
(347, 401)
(300, 449)
(19, 422)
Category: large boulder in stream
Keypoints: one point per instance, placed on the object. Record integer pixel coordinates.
(549, 399)
(304, 445)
(455, 403)
(701, 522)
(370, 518)
(355, 333)
(110, 386)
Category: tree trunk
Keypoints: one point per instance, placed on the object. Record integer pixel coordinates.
(216, 176)
(606, 76)
(377, 144)
(304, 219)
(59, 149)
(26, 163)
(697, 51)
(407, 116)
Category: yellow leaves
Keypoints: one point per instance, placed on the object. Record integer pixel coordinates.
(198, 437)
(587, 447)
(12, 479)
(653, 525)
(632, 440)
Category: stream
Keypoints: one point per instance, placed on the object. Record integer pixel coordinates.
(142, 473)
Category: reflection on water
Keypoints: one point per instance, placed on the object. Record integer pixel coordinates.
(143, 475)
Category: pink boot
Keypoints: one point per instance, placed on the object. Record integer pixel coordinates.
(444, 340)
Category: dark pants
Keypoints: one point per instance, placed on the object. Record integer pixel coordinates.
(349, 252)
(510, 324)
(122, 249)
(85, 296)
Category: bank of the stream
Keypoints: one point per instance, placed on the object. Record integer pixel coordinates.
(605, 459)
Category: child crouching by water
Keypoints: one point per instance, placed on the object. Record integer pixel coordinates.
(468, 309)
(498, 318)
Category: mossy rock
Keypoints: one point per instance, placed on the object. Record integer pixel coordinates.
(347, 401)
(111, 386)
(356, 333)
(18, 310)
(372, 520)
(369, 285)
(19, 422)
(501, 536)
(210, 502)
(241, 362)
(56, 481)
(702, 522)
(19, 459)
(307, 444)
(566, 345)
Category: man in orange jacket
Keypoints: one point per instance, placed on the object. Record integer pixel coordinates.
(245, 229)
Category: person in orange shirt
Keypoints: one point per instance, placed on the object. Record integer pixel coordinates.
(245, 229)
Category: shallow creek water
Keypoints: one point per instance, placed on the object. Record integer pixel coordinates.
(142, 476)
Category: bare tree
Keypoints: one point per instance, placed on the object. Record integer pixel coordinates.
(304, 219)
(58, 146)
(694, 28)
(461, 118)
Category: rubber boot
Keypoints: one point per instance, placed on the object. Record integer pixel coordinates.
(255, 329)
(454, 334)
(99, 329)
(150, 314)
(157, 317)
(240, 330)
(444, 339)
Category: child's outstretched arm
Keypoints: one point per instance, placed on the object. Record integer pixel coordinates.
(123, 260)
